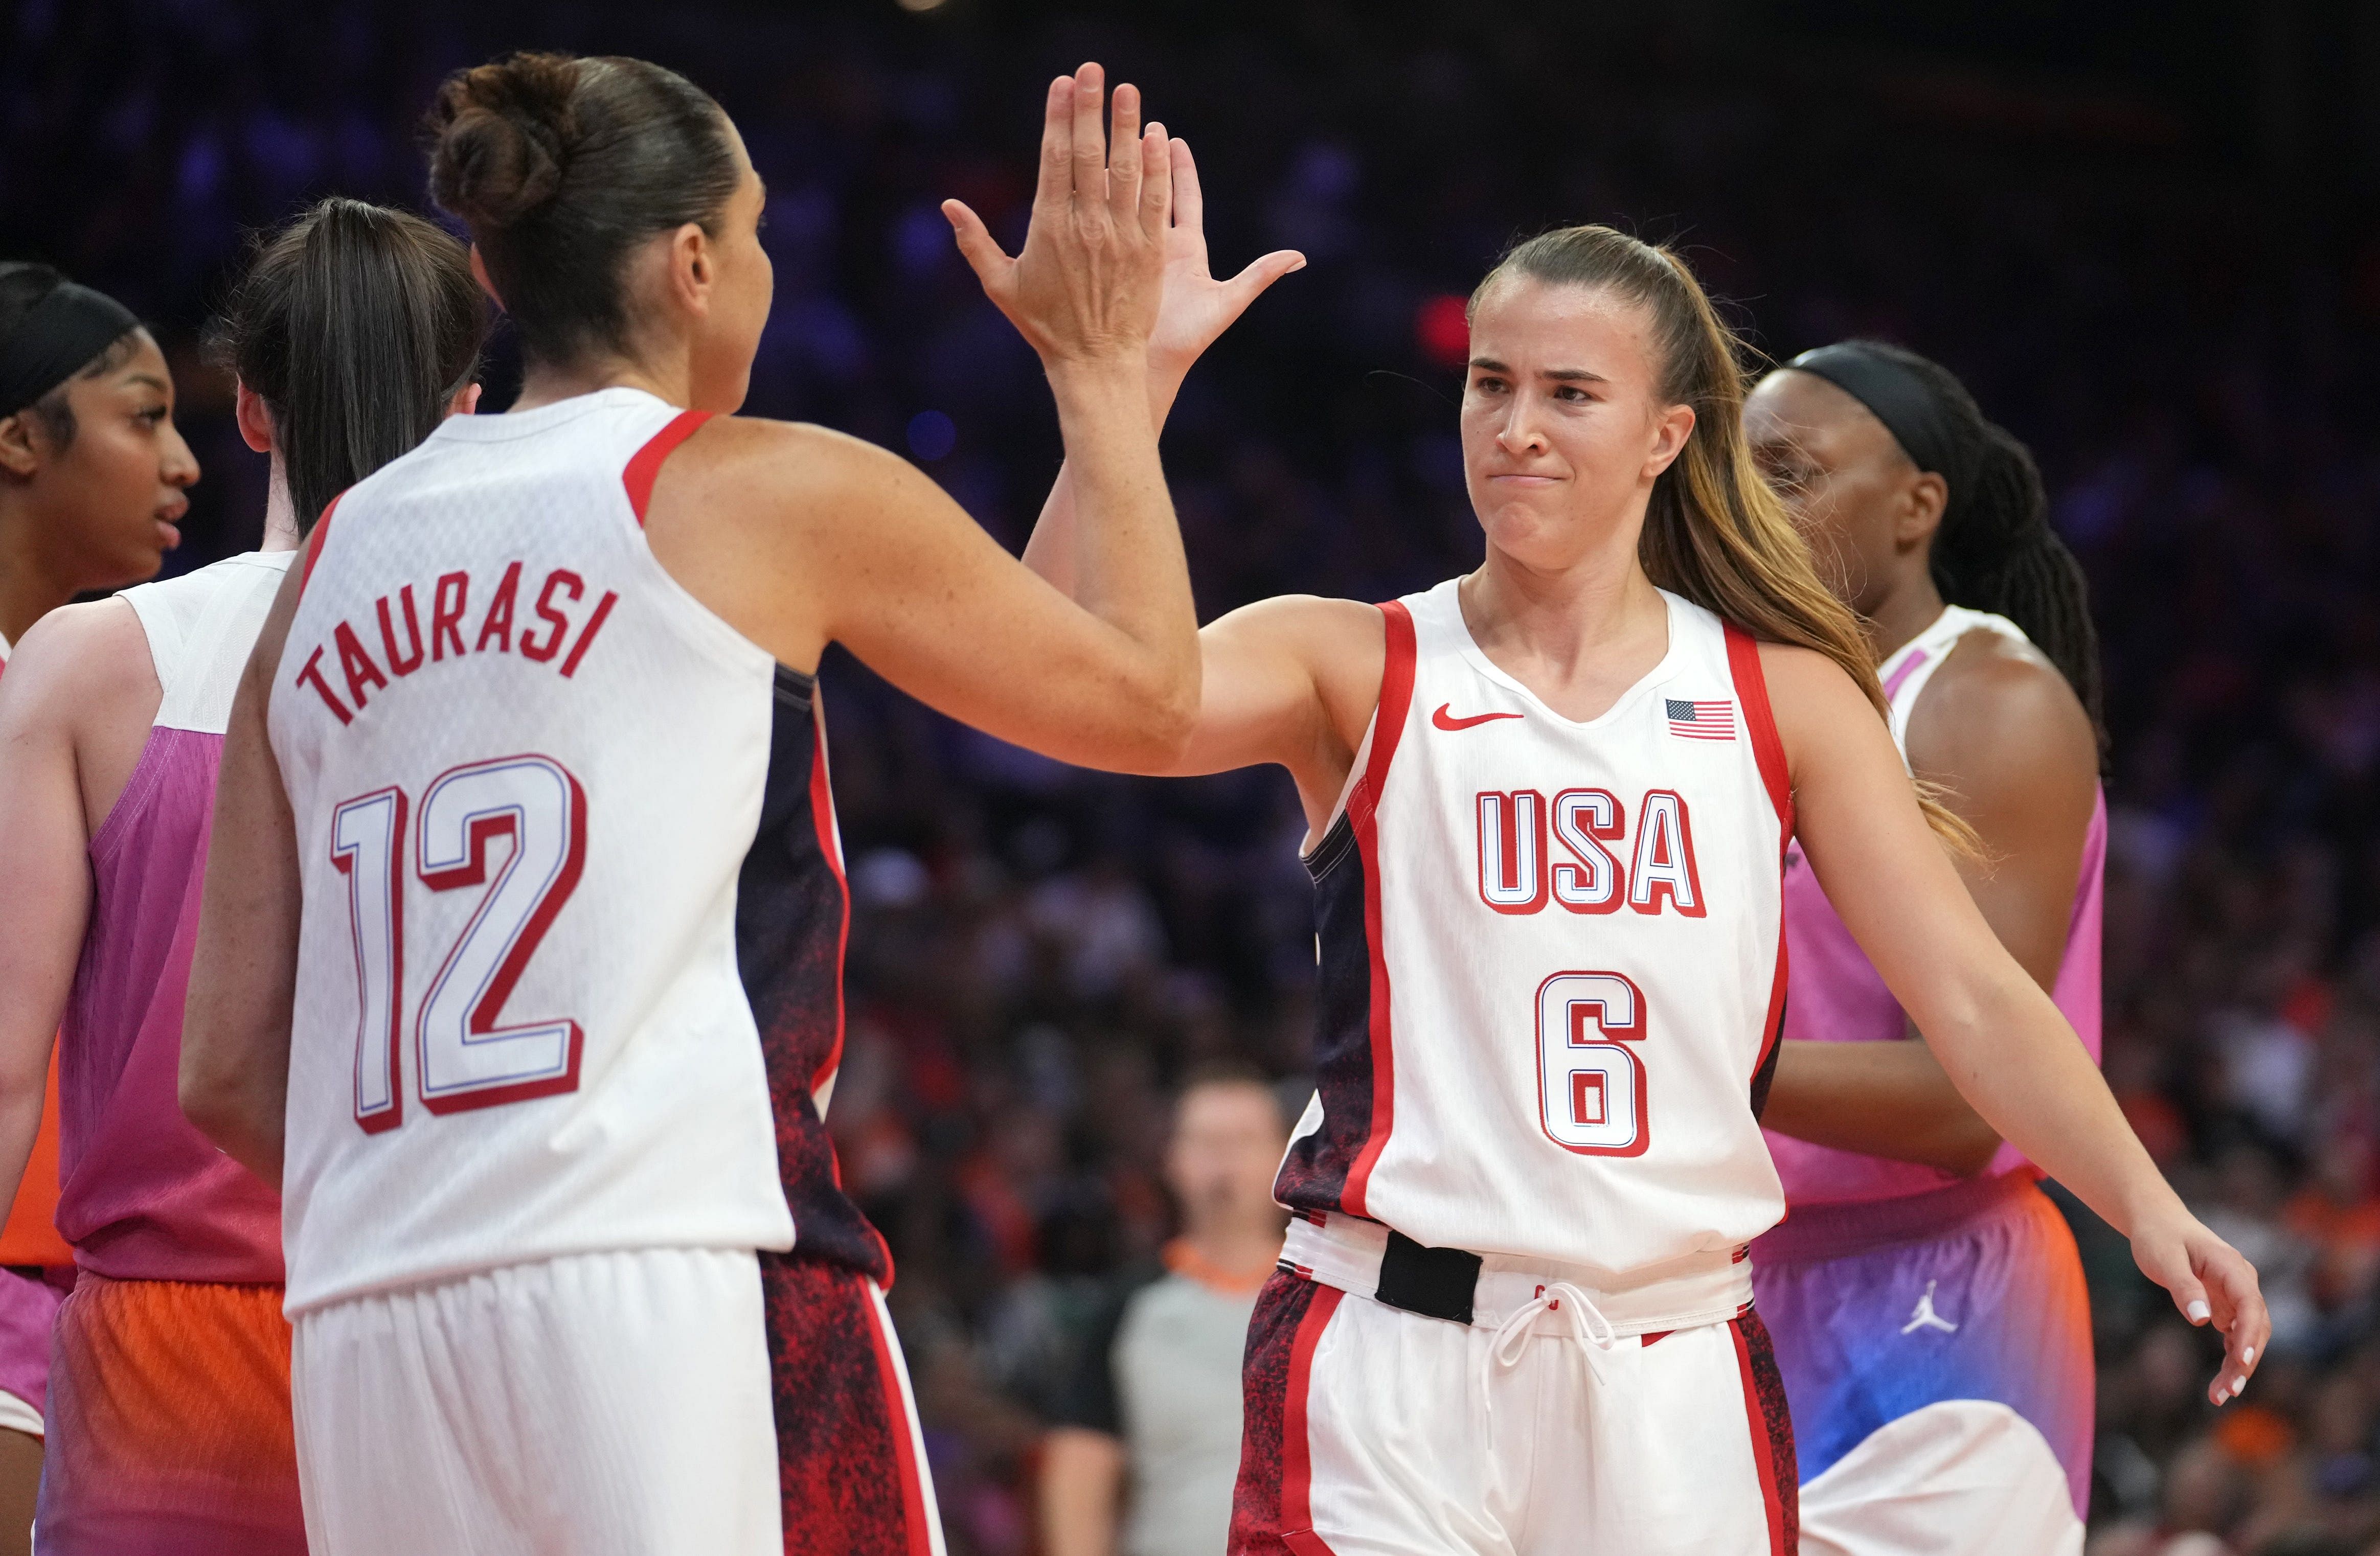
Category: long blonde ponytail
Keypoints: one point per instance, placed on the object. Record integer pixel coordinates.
(1713, 532)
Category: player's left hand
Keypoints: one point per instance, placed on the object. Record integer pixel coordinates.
(2211, 1283)
(1196, 309)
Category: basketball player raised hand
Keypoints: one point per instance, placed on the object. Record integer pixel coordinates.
(520, 962)
(1550, 802)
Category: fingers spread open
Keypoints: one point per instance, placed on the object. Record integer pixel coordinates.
(1057, 176)
(1189, 205)
(1249, 284)
(1090, 159)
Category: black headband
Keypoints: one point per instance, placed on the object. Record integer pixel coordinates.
(1905, 403)
(55, 339)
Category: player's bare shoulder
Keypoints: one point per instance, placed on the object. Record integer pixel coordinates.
(1999, 710)
(1341, 643)
(748, 469)
(80, 662)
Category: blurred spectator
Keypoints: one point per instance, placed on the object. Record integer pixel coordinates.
(1147, 1444)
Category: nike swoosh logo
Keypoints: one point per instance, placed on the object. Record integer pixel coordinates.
(1443, 721)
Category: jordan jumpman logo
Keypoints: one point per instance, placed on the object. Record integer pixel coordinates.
(1924, 1317)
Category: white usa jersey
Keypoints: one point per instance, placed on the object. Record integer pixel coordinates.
(1552, 968)
(573, 902)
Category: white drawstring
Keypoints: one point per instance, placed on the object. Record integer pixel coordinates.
(1512, 1335)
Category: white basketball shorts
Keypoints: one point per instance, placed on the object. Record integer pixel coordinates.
(597, 1404)
(1374, 1431)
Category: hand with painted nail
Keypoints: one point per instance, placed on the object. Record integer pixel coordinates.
(2211, 1283)
(1197, 308)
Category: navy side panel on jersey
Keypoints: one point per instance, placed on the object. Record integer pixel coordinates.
(791, 916)
(1314, 1176)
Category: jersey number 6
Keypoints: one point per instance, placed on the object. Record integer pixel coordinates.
(1590, 1083)
(463, 1058)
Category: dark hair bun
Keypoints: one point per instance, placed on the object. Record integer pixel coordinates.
(500, 136)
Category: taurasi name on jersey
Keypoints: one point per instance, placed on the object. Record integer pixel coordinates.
(540, 641)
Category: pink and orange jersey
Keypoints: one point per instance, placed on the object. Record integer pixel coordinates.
(169, 1396)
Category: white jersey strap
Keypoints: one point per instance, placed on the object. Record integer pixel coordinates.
(1913, 664)
(201, 628)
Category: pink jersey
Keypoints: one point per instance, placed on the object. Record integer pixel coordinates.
(144, 1195)
(1834, 994)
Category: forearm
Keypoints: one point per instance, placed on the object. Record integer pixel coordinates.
(234, 1080)
(1082, 1475)
(1130, 571)
(1882, 1099)
(244, 1121)
(1049, 550)
(21, 1100)
(2022, 1068)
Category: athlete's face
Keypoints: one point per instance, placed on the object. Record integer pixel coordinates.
(1868, 510)
(1227, 1144)
(1564, 426)
(105, 505)
(741, 283)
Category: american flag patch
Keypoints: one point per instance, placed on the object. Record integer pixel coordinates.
(1701, 721)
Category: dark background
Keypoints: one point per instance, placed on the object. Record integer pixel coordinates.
(2146, 235)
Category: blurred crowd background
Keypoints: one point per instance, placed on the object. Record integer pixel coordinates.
(2146, 235)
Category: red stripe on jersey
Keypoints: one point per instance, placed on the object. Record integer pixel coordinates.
(904, 1432)
(1362, 813)
(1767, 748)
(320, 537)
(1296, 1453)
(1772, 1432)
(822, 817)
(645, 464)
(1768, 753)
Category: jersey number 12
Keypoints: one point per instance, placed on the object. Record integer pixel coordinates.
(464, 1057)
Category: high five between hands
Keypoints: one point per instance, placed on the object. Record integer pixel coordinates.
(1113, 277)
(1112, 234)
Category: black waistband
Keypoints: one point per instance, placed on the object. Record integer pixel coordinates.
(1435, 1283)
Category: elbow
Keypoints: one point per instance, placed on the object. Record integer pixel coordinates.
(210, 1105)
(1165, 716)
(1968, 1147)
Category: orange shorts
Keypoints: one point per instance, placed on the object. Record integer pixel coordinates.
(169, 1425)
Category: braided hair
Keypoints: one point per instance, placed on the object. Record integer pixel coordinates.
(1994, 550)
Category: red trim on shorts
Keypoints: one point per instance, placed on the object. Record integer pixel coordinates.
(1362, 813)
(319, 538)
(904, 1428)
(1769, 1427)
(1767, 746)
(645, 464)
(1296, 1455)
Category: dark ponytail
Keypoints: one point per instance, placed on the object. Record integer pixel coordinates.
(1994, 550)
(357, 325)
(561, 166)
